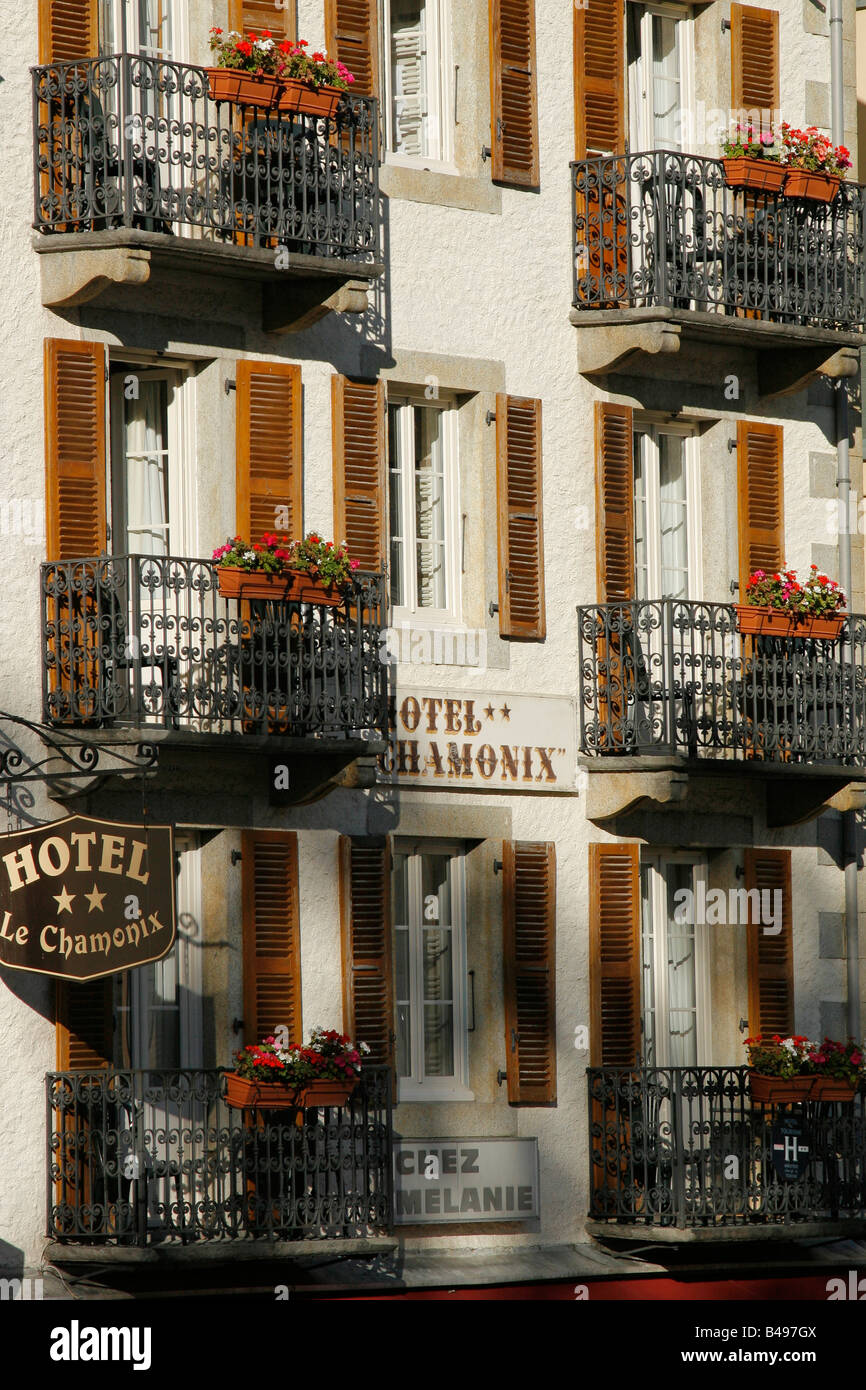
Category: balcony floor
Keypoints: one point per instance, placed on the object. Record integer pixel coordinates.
(641, 341)
(78, 267)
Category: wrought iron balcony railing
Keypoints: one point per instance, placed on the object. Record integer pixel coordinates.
(663, 229)
(134, 141)
(141, 1157)
(687, 1147)
(148, 642)
(674, 676)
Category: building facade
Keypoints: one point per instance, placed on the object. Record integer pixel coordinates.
(503, 327)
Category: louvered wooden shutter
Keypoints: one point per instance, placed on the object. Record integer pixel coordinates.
(770, 954)
(521, 538)
(760, 492)
(529, 950)
(67, 30)
(513, 93)
(755, 65)
(411, 101)
(358, 420)
(365, 916)
(599, 78)
(352, 36)
(614, 492)
(269, 449)
(254, 16)
(74, 448)
(614, 954)
(85, 1024)
(271, 934)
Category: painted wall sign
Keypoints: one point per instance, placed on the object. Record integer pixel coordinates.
(451, 1180)
(84, 898)
(490, 742)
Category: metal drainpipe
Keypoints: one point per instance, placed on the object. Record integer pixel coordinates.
(843, 489)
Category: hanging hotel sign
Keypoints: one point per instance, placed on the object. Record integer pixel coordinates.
(82, 898)
(452, 1180)
(485, 742)
(791, 1148)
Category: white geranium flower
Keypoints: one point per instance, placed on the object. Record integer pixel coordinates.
(249, 555)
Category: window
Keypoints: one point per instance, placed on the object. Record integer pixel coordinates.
(659, 68)
(417, 83)
(158, 1006)
(675, 994)
(666, 512)
(152, 509)
(423, 509)
(428, 898)
(140, 26)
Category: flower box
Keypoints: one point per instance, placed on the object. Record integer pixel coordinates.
(774, 622)
(807, 183)
(243, 88)
(762, 175)
(780, 1090)
(244, 1094)
(298, 95)
(833, 1088)
(290, 586)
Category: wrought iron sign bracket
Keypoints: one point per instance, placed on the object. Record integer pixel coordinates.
(80, 759)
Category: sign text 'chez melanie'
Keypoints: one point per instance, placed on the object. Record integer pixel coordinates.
(490, 742)
(84, 898)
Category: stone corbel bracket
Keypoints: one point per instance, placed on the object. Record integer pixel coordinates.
(75, 277)
(612, 794)
(613, 347)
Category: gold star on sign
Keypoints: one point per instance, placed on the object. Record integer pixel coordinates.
(95, 900)
(489, 711)
(64, 901)
(505, 712)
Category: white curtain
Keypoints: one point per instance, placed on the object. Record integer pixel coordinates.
(146, 459)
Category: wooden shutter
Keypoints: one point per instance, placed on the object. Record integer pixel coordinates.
(513, 94)
(770, 955)
(614, 954)
(614, 495)
(352, 36)
(760, 493)
(519, 499)
(74, 448)
(269, 449)
(85, 1024)
(358, 421)
(529, 949)
(254, 16)
(755, 65)
(599, 78)
(365, 917)
(271, 934)
(67, 30)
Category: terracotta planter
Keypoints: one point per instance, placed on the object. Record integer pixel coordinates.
(243, 88)
(762, 175)
(770, 622)
(326, 1092)
(831, 1088)
(775, 1090)
(805, 183)
(292, 586)
(243, 1094)
(297, 95)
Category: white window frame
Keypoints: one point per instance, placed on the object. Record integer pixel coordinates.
(409, 612)
(439, 91)
(640, 86)
(182, 526)
(417, 1087)
(649, 432)
(655, 863)
(177, 8)
(188, 952)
